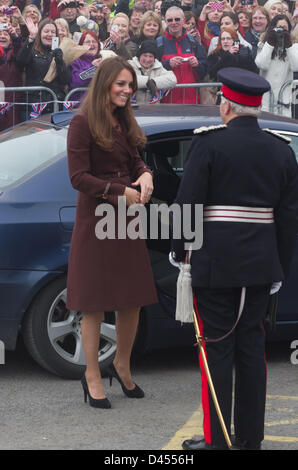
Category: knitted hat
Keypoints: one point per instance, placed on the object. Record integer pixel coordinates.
(147, 46)
(87, 25)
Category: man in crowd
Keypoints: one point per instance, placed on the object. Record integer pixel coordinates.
(69, 12)
(182, 54)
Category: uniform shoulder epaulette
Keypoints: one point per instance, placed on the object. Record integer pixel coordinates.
(279, 136)
(203, 129)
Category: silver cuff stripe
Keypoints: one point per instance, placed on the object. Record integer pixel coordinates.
(263, 215)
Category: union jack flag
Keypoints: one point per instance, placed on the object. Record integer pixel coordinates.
(37, 109)
(5, 106)
(158, 96)
(69, 104)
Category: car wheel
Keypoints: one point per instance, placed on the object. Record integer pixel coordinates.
(52, 334)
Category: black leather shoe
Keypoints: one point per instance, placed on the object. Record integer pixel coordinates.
(192, 444)
(246, 445)
(136, 392)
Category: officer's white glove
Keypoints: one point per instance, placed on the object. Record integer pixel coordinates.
(173, 261)
(275, 287)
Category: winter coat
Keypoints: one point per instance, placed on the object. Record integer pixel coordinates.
(221, 59)
(163, 78)
(78, 66)
(10, 76)
(277, 72)
(36, 67)
(214, 43)
(184, 46)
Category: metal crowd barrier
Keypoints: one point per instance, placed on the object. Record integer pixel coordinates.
(293, 102)
(67, 103)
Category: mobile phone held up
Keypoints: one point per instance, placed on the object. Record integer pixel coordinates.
(3, 26)
(55, 43)
(246, 2)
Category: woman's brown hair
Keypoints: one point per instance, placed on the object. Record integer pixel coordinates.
(37, 43)
(231, 31)
(97, 106)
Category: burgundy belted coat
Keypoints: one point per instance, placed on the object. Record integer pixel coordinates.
(104, 274)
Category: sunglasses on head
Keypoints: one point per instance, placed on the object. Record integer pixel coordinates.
(170, 20)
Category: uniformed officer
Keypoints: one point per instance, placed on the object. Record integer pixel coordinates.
(247, 180)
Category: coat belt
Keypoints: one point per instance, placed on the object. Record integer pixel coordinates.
(260, 215)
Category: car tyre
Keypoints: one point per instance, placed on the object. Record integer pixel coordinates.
(52, 334)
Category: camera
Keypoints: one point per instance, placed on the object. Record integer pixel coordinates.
(166, 4)
(185, 59)
(8, 11)
(279, 30)
(236, 42)
(3, 26)
(99, 6)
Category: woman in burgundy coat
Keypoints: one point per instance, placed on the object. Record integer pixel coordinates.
(108, 274)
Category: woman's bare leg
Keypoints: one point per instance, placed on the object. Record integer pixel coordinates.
(126, 329)
(90, 328)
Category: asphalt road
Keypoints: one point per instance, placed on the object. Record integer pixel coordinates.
(41, 411)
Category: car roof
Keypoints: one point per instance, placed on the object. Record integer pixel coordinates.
(163, 118)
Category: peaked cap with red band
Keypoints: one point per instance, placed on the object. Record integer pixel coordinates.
(242, 86)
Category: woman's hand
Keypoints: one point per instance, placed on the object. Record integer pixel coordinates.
(97, 62)
(234, 49)
(146, 183)
(132, 196)
(115, 37)
(32, 28)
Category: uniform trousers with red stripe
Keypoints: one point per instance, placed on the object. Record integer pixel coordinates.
(243, 351)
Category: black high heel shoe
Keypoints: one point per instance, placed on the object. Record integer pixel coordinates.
(95, 402)
(136, 392)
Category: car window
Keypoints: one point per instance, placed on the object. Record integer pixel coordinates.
(27, 149)
(294, 141)
(167, 155)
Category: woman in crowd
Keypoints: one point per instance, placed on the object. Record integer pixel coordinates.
(209, 23)
(228, 53)
(150, 28)
(153, 79)
(190, 24)
(119, 36)
(157, 7)
(10, 75)
(277, 59)
(259, 24)
(36, 56)
(108, 273)
(62, 28)
(135, 16)
(273, 7)
(244, 21)
(31, 11)
(229, 20)
(85, 62)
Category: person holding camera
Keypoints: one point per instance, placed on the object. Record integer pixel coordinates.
(277, 60)
(36, 56)
(100, 13)
(228, 53)
(184, 55)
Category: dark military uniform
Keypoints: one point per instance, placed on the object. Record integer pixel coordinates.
(247, 180)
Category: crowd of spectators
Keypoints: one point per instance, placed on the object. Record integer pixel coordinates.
(57, 44)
